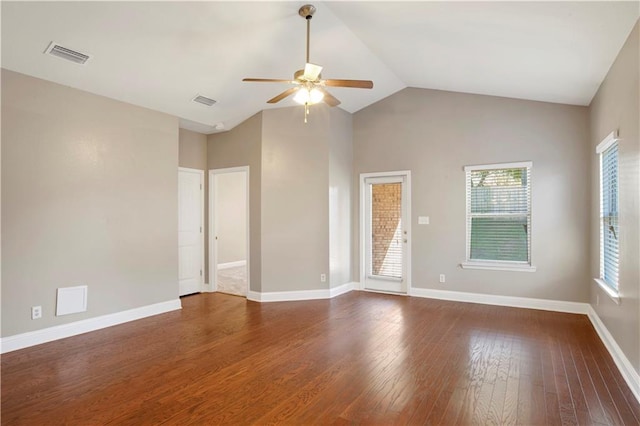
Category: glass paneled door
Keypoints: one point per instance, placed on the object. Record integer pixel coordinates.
(386, 233)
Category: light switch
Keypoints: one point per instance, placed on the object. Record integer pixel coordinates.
(423, 220)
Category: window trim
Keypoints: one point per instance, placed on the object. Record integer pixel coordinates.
(494, 265)
(515, 165)
(601, 148)
(614, 295)
(498, 266)
(607, 142)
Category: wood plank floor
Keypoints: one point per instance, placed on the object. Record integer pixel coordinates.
(359, 358)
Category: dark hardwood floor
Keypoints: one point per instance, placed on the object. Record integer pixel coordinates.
(358, 358)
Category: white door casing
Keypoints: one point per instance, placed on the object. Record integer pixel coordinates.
(190, 230)
(396, 277)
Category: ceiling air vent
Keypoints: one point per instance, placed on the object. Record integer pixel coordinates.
(204, 100)
(66, 53)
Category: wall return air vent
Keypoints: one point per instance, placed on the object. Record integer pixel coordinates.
(65, 53)
(204, 100)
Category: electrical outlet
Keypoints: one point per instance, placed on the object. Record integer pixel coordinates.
(597, 300)
(323, 278)
(36, 312)
(442, 278)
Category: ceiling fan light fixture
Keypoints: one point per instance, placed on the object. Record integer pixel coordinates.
(306, 96)
(316, 95)
(309, 86)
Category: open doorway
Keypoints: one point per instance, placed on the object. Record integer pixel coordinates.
(229, 230)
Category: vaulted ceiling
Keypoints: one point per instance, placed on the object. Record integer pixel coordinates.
(160, 55)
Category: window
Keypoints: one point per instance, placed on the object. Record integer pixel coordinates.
(609, 226)
(499, 216)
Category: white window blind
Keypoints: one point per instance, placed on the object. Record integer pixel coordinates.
(386, 230)
(609, 227)
(499, 213)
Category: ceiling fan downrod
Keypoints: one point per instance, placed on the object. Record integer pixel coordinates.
(307, 12)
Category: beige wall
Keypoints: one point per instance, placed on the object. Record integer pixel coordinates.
(435, 134)
(300, 189)
(295, 202)
(242, 147)
(340, 181)
(615, 106)
(89, 196)
(192, 153)
(231, 215)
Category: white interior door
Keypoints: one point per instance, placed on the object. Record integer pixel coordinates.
(386, 232)
(190, 232)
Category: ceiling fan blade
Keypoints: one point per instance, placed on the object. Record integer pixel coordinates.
(267, 80)
(329, 99)
(283, 95)
(312, 71)
(358, 84)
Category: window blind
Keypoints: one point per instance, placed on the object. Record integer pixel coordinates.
(386, 230)
(499, 214)
(609, 227)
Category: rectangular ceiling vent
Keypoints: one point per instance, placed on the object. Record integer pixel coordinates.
(66, 53)
(204, 100)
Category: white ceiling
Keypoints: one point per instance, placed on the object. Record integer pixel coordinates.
(159, 55)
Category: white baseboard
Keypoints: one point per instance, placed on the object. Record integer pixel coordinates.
(512, 301)
(288, 296)
(228, 265)
(629, 373)
(32, 338)
(341, 289)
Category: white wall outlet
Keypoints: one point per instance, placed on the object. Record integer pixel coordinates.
(36, 312)
(423, 220)
(323, 278)
(442, 279)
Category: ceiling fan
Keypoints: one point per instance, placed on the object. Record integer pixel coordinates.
(309, 86)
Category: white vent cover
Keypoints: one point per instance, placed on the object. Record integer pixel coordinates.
(71, 300)
(55, 49)
(204, 100)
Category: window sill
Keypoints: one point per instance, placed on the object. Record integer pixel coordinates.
(498, 266)
(383, 278)
(614, 295)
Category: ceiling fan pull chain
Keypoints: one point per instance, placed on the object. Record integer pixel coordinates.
(306, 112)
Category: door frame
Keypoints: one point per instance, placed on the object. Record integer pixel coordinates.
(199, 172)
(213, 255)
(406, 174)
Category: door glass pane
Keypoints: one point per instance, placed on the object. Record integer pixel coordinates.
(386, 230)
